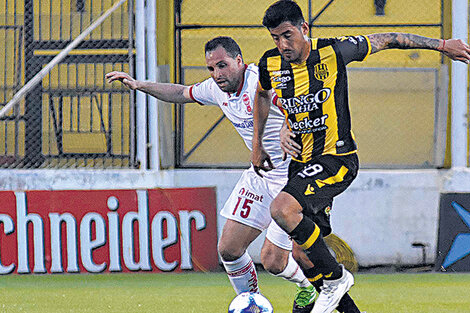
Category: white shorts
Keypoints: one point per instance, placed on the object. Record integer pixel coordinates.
(250, 200)
(278, 236)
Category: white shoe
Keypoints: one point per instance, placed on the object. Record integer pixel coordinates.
(332, 291)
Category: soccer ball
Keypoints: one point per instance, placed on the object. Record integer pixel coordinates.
(248, 302)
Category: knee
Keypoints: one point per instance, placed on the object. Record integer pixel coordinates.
(286, 211)
(229, 252)
(272, 262)
(277, 210)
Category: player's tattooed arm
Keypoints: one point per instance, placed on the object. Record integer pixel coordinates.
(384, 41)
(456, 49)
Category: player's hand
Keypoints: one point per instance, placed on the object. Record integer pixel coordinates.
(457, 50)
(288, 144)
(124, 78)
(261, 160)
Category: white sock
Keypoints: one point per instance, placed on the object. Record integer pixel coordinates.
(293, 273)
(242, 274)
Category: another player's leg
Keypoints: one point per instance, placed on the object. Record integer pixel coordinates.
(287, 212)
(277, 259)
(234, 241)
(346, 304)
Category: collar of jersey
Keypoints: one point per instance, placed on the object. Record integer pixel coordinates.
(241, 85)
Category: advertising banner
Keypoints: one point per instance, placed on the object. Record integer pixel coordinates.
(158, 230)
(453, 247)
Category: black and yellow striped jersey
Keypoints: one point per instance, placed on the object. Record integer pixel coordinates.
(314, 95)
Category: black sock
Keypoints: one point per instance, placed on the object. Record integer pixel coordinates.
(308, 235)
(314, 277)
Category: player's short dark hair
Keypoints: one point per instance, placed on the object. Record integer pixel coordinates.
(283, 11)
(230, 45)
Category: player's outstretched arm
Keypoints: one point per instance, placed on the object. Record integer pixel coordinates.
(259, 157)
(456, 49)
(166, 92)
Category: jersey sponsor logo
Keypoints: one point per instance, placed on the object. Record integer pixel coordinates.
(308, 125)
(282, 79)
(246, 102)
(250, 195)
(280, 82)
(282, 72)
(321, 71)
(305, 103)
(281, 86)
(244, 124)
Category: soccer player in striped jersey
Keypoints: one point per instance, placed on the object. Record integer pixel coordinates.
(232, 88)
(310, 79)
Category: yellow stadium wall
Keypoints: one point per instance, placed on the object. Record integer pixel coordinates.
(404, 101)
(379, 96)
(59, 20)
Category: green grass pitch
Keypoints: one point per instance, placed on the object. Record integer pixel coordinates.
(211, 293)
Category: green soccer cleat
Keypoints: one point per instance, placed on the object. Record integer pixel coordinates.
(304, 299)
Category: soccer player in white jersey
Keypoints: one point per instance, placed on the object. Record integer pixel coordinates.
(232, 87)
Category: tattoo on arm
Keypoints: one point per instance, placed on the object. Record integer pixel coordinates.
(384, 41)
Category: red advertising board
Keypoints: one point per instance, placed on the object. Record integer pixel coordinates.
(108, 231)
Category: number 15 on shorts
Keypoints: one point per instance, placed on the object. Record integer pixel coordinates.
(245, 209)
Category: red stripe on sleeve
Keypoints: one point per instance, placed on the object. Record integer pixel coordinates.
(192, 96)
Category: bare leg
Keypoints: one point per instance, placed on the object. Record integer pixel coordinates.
(286, 211)
(279, 262)
(234, 241)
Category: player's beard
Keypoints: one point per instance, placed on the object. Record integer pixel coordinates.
(289, 56)
(295, 56)
(229, 86)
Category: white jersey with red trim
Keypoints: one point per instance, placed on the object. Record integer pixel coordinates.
(238, 108)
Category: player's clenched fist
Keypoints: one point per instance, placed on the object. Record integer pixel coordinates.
(124, 78)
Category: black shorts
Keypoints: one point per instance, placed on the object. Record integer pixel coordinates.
(314, 184)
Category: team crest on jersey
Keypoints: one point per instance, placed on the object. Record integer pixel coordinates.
(246, 102)
(321, 71)
(328, 210)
